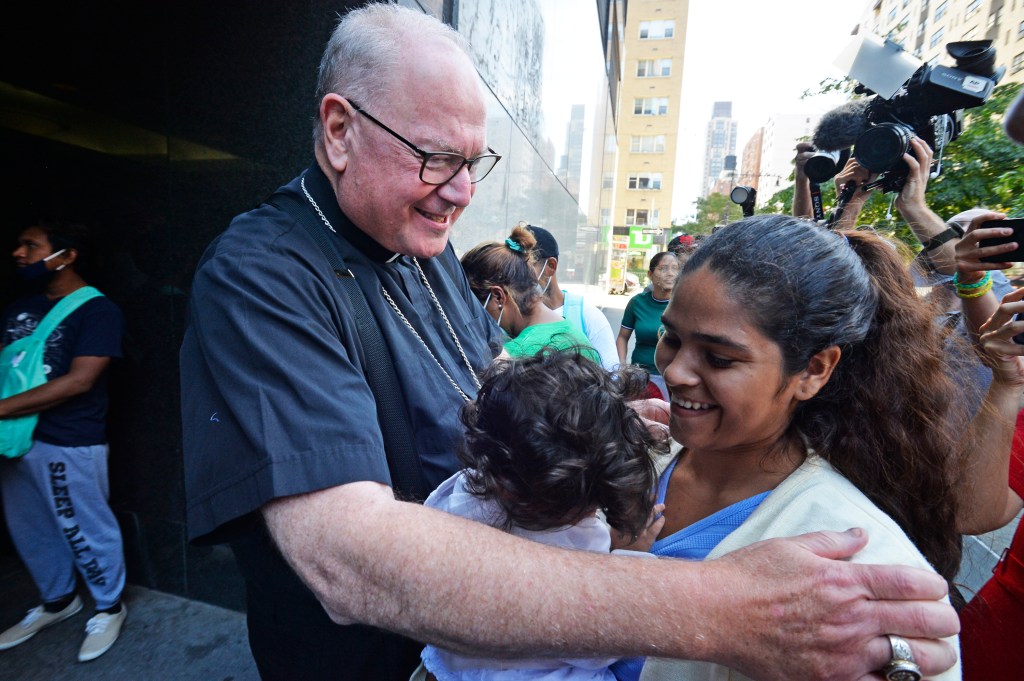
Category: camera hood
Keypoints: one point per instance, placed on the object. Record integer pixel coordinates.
(882, 66)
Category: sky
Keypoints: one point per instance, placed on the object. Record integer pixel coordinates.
(759, 55)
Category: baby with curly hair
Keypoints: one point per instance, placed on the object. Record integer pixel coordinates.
(550, 441)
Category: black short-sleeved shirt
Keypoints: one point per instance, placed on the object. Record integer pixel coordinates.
(274, 398)
(93, 330)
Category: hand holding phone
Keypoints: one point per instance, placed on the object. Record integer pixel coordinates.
(1016, 255)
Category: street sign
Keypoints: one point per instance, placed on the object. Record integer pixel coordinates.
(656, 231)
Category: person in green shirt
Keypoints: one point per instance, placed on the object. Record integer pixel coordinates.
(643, 316)
(502, 277)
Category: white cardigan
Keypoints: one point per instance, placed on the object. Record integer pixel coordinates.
(814, 497)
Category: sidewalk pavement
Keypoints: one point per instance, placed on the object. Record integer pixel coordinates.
(164, 637)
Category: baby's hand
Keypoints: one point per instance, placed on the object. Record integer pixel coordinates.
(645, 539)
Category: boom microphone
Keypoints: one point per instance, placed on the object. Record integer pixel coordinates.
(840, 127)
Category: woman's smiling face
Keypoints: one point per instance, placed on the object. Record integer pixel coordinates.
(725, 379)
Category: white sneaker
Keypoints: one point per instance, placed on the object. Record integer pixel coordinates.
(101, 632)
(35, 621)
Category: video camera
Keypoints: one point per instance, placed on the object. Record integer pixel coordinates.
(909, 98)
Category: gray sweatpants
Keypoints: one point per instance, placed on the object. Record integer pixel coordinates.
(55, 501)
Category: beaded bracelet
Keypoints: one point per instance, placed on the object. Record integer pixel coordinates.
(975, 291)
(965, 286)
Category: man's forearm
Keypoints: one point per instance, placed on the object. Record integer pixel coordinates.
(470, 588)
(802, 207)
(43, 397)
(926, 225)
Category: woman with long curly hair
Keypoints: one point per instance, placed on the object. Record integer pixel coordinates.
(809, 391)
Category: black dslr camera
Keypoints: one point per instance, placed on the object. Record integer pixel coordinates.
(929, 105)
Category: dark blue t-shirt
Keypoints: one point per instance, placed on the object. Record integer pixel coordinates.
(93, 330)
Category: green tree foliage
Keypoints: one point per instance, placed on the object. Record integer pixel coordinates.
(982, 167)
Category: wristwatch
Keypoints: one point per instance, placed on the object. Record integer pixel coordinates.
(952, 231)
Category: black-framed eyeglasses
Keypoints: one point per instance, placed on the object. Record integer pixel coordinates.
(439, 167)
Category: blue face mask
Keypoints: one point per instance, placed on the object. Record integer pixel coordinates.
(38, 272)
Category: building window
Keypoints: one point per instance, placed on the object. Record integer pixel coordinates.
(644, 181)
(636, 216)
(940, 11)
(608, 181)
(653, 30)
(995, 17)
(892, 14)
(606, 217)
(972, 7)
(969, 35)
(647, 144)
(650, 106)
(937, 36)
(1020, 30)
(653, 68)
(1018, 63)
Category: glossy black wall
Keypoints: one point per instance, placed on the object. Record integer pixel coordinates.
(154, 124)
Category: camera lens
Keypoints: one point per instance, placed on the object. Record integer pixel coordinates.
(823, 166)
(881, 147)
(740, 195)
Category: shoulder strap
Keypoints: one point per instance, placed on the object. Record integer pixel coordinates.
(63, 308)
(399, 442)
(572, 309)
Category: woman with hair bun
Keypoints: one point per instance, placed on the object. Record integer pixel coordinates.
(503, 279)
(809, 391)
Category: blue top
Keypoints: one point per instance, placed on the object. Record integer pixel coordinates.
(696, 541)
(691, 543)
(93, 330)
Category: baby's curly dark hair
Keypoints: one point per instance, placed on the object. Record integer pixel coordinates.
(551, 438)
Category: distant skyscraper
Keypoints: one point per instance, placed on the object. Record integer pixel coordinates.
(571, 166)
(721, 142)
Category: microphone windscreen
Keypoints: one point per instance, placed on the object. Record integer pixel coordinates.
(840, 127)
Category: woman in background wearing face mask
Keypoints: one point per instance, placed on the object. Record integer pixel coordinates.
(55, 496)
(504, 281)
(643, 315)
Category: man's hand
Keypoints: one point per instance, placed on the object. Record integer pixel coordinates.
(910, 201)
(800, 616)
(802, 207)
(969, 265)
(859, 175)
(804, 150)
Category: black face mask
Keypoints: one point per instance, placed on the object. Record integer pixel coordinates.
(38, 272)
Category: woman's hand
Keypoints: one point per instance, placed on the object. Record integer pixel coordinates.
(645, 539)
(997, 347)
(969, 265)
